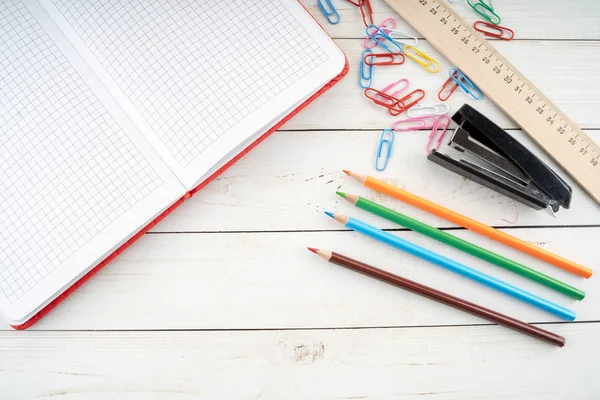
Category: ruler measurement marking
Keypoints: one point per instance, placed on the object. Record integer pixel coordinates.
(507, 87)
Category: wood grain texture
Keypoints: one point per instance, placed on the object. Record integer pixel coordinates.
(507, 87)
(208, 266)
(567, 80)
(270, 280)
(551, 19)
(290, 179)
(453, 363)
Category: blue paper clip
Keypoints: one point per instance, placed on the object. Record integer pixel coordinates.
(365, 81)
(329, 13)
(384, 140)
(465, 84)
(380, 38)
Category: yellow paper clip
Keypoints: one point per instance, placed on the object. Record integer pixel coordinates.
(421, 58)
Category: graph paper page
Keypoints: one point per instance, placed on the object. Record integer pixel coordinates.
(201, 77)
(76, 177)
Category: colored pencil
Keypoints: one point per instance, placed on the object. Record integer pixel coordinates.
(440, 296)
(462, 244)
(471, 224)
(453, 266)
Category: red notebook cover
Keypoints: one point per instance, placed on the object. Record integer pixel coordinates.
(141, 233)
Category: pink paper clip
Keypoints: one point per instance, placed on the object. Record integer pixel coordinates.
(442, 122)
(387, 23)
(392, 85)
(420, 123)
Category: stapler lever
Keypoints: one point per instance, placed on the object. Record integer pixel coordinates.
(498, 161)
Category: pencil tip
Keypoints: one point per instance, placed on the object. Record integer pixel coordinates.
(329, 214)
(346, 171)
(341, 194)
(313, 249)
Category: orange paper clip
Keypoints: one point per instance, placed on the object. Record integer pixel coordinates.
(366, 12)
(381, 98)
(494, 31)
(384, 59)
(407, 102)
(445, 94)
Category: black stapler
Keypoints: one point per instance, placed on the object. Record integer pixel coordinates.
(502, 163)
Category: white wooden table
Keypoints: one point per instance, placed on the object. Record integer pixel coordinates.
(222, 300)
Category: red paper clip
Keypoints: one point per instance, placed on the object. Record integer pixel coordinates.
(402, 104)
(385, 59)
(366, 10)
(494, 31)
(452, 89)
(381, 98)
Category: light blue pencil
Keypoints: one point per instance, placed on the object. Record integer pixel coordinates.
(453, 266)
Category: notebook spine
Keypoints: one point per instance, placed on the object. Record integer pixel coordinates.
(188, 195)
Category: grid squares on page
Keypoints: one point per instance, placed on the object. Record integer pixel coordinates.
(187, 67)
(67, 170)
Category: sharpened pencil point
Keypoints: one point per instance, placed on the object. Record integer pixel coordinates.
(346, 171)
(313, 249)
(341, 194)
(329, 214)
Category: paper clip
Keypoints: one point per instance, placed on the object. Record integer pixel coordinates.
(403, 104)
(421, 58)
(386, 140)
(381, 38)
(442, 122)
(494, 31)
(364, 80)
(366, 11)
(403, 36)
(465, 84)
(428, 110)
(393, 85)
(420, 123)
(485, 11)
(490, 3)
(380, 98)
(330, 12)
(386, 25)
(442, 93)
(384, 59)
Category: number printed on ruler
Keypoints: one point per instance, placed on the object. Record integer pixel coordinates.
(507, 87)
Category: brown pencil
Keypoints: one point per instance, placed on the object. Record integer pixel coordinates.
(440, 296)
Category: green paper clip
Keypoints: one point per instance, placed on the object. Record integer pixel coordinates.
(485, 11)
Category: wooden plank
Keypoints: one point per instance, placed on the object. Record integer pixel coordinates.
(287, 182)
(508, 88)
(566, 80)
(488, 362)
(270, 280)
(554, 19)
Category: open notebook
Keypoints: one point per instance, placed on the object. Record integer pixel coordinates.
(114, 111)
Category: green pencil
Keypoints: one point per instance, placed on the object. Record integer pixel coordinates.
(463, 245)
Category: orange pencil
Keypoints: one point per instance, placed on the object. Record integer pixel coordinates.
(471, 224)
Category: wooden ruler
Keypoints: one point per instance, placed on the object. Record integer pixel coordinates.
(470, 52)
